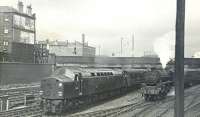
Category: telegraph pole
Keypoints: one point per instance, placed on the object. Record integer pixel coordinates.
(179, 59)
(99, 49)
(133, 43)
(121, 46)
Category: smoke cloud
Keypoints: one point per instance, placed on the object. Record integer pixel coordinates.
(164, 47)
(196, 55)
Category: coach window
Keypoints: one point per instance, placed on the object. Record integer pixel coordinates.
(102, 74)
(92, 74)
(98, 74)
(111, 73)
(105, 74)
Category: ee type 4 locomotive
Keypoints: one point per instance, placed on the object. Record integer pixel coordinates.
(67, 88)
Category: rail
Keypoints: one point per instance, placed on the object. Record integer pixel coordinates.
(23, 111)
(112, 112)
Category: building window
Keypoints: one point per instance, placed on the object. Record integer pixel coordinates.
(5, 43)
(6, 19)
(6, 31)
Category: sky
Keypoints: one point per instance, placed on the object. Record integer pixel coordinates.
(105, 22)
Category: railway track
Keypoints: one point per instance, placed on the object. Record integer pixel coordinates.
(20, 100)
(23, 111)
(166, 109)
(113, 112)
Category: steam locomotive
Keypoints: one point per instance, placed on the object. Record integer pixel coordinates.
(68, 88)
(159, 82)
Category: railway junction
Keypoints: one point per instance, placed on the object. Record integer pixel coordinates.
(132, 105)
(68, 79)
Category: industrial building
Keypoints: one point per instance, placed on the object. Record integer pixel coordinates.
(66, 48)
(18, 34)
(41, 53)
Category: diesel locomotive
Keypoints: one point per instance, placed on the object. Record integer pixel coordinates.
(68, 88)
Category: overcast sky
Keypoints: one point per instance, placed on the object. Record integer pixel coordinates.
(104, 22)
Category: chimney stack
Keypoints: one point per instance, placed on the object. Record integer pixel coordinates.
(83, 39)
(29, 10)
(20, 7)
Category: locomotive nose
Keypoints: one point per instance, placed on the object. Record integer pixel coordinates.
(51, 88)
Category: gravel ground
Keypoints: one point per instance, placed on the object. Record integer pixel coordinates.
(131, 97)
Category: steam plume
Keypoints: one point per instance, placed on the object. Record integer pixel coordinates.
(164, 47)
(196, 55)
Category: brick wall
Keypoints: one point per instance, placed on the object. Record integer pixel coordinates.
(14, 73)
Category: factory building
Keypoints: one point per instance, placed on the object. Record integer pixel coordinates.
(41, 53)
(18, 35)
(66, 48)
